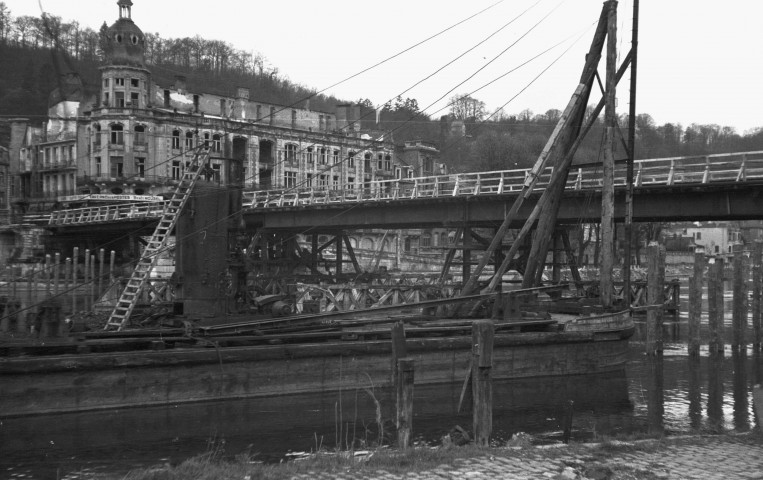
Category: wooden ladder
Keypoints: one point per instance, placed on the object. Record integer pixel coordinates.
(129, 298)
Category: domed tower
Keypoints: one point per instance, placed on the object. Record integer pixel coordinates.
(126, 81)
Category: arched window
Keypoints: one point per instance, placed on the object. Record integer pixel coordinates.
(188, 140)
(426, 240)
(176, 139)
(206, 139)
(117, 134)
(367, 162)
(217, 144)
(140, 135)
(351, 160)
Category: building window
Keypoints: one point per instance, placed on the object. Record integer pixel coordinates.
(119, 82)
(367, 162)
(134, 100)
(217, 143)
(335, 182)
(426, 240)
(135, 82)
(323, 182)
(350, 183)
(117, 167)
(175, 170)
(351, 160)
(290, 179)
(106, 83)
(140, 135)
(106, 99)
(379, 163)
(216, 172)
(140, 167)
(310, 155)
(188, 140)
(206, 140)
(387, 162)
(119, 99)
(697, 236)
(324, 156)
(336, 157)
(117, 135)
(176, 139)
(98, 169)
(258, 113)
(291, 152)
(96, 135)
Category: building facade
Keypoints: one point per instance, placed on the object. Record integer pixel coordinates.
(134, 137)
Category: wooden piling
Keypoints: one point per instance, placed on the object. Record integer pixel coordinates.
(101, 259)
(29, 313)
(757, 283)
(75, 259)
(695, 301)
(112, 261)
(715, 305)
(86, 279)
(740, 305)
(482, 387)
(67, 277)
(92, 282)
(655, 296)
(399, 349)
(405, 401)
(48, 270)
(56, 273)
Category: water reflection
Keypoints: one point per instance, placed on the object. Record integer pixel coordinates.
(695, 392)
(715, 391)
(671, 393)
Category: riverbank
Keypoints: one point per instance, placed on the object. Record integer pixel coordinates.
(729, 456)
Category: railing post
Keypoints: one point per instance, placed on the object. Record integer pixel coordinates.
(456, 186)
(742, 175)
(671, 173)
(706, 176)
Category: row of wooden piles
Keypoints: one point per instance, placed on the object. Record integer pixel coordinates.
(37, 299)
(747, 287)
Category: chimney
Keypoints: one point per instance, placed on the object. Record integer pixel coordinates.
(341, 116)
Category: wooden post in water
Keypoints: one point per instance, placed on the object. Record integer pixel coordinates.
(86, 279)
(75, 258)
(29, 309)
(740, 306)
(655, 296)
(482, 386)
(112, 261)
(715, 305)
(399, 349)
(92, 282)
(695, 301)
(67, 276)
(101, 258)
(405, 401)
(48, 272)
(757, 282)
(56, 273)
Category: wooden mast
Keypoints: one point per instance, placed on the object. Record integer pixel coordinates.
(608, 187)
(555, 150)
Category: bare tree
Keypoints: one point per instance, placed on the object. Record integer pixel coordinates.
(464, 107)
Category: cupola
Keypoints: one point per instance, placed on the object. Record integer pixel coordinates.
(125, 43)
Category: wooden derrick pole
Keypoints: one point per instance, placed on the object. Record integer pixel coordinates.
(552, 152)
(608, 186)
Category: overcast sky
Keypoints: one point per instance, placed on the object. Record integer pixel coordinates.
(699, 60)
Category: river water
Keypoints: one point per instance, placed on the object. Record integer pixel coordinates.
(674, 394)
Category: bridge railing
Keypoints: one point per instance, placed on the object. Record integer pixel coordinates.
(699, 170)
(704, 169)
(106, 213)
